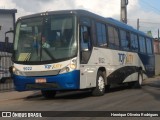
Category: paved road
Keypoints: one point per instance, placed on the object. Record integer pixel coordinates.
(116, 99)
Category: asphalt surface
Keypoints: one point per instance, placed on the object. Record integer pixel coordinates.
(121, 98)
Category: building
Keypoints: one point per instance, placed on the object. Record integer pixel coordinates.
(157, 56)
(156, 46)
(7, 23)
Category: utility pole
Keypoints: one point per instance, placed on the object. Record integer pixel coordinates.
(138, 24)
(124, 4)
(158, 35)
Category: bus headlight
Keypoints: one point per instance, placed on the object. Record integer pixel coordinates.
(13, 70)
(65, 70)
(72, 66)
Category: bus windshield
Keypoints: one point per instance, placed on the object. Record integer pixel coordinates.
(44, 39)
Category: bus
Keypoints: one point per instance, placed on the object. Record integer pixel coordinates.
(77, 50)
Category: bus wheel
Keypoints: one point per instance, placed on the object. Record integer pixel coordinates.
(138, 83)
(99, 90)
(48, 93)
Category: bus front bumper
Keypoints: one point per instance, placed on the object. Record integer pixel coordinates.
(66, 81)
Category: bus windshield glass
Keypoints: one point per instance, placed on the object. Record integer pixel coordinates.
(44, 39)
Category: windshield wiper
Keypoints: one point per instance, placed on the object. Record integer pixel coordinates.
(49, 54)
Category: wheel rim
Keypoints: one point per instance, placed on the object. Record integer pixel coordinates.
(140, 79)
(101, 83)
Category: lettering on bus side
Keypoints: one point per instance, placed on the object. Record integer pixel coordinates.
(57, 66)
(125, 58)
(47, 66)
(121, 58)
(129, 59)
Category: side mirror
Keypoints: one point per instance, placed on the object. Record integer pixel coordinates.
(11, 31)
(6, 42)
(8, 46)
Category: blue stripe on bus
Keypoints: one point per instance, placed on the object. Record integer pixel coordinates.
(119, 75)
(66, 81)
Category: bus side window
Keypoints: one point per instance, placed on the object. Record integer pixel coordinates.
(113, 37)
(125, 39)
(134, 42)
(142, 44)
(101, 35)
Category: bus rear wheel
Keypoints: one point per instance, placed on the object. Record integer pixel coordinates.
(48, 93)
(138, 83)
(99, 90)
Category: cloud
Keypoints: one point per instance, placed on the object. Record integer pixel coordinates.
(102, 7)
(106, 8)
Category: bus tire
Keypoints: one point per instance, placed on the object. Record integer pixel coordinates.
(99, 90)
(138, 83)
(48, 93)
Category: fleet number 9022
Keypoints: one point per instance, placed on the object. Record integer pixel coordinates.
(27, 68)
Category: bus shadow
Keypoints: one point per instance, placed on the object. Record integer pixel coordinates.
(155, 85)
(60, 96)
(71, 95)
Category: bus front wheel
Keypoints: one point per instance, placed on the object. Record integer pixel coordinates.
(48, 93)
(99, 90)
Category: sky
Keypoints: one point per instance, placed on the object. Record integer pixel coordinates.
(147, 11)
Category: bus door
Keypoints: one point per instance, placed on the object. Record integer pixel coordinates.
(85, 52)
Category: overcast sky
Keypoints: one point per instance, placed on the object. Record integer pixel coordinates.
(146, 10)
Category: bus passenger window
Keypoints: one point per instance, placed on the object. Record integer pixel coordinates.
(134, 42)
(125, 40)
(113, 37)
(149, 46)
(142, 44)
(101, 35)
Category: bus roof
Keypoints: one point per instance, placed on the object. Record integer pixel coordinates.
(90, 14)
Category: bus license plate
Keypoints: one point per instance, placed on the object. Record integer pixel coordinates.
(41, 80)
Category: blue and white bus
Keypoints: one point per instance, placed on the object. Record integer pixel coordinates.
(77, 49)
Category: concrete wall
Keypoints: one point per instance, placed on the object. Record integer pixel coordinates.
(157, 64)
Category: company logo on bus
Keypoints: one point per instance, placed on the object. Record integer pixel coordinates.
(125, 58)
(55, 66)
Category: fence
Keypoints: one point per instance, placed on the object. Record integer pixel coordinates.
(6, 83)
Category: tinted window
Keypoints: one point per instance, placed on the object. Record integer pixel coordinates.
(113, 37)
(134, 42)
(101, 34)
(124, 39)
(142, 44)
(149, 46)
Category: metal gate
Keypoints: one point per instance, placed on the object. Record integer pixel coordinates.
(6, 83)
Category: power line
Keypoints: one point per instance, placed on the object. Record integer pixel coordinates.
(150, 5)
(143, 21)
